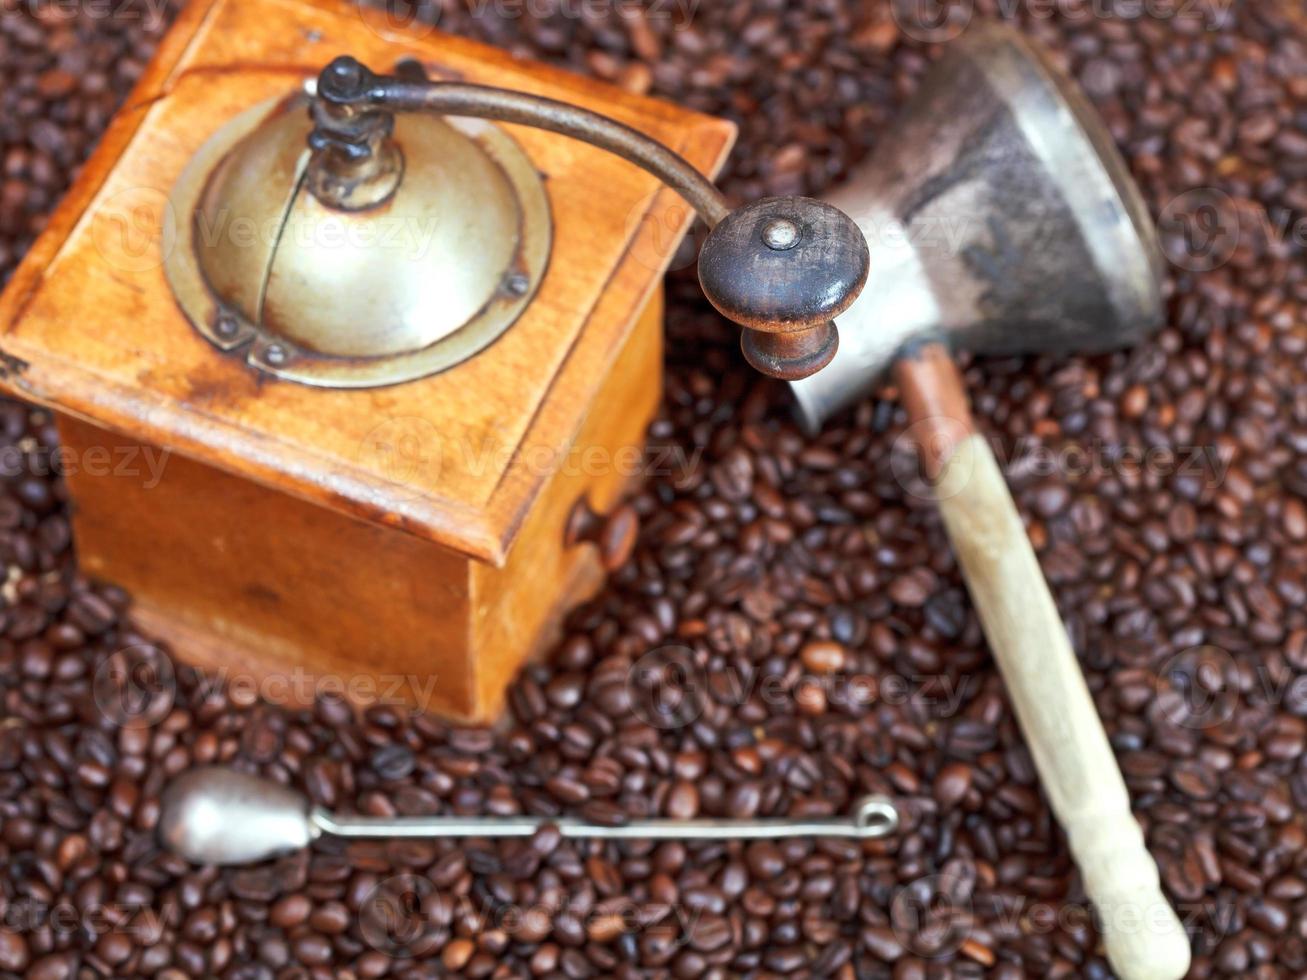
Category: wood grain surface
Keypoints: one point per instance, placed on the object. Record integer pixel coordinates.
(401, 542)
(90, 316)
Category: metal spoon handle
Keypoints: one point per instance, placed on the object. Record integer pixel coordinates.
(874, 817)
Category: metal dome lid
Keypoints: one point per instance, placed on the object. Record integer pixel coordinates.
(367, 285)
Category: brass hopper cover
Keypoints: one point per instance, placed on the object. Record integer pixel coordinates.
(406, 277)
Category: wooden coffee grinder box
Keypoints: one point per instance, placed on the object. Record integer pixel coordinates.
(360, 431)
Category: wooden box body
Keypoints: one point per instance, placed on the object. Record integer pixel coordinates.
(399, 543)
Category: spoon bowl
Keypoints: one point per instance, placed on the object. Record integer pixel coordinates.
(216, 815)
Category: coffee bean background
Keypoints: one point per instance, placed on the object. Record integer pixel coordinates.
(804, 596)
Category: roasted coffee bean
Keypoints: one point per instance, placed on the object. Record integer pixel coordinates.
(952, 783)
(682, 801)
(14, 952)
(829, 648)
(393, 761)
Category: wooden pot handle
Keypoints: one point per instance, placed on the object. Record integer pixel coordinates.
(1143, 936)
(1141, 932)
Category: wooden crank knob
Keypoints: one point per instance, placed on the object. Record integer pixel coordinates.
(783, 268)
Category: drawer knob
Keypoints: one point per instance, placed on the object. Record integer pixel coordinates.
(613, 534)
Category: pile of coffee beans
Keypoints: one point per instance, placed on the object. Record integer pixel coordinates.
(67, 67)
(791, 631)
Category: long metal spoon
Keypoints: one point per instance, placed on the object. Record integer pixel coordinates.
(215, 815)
